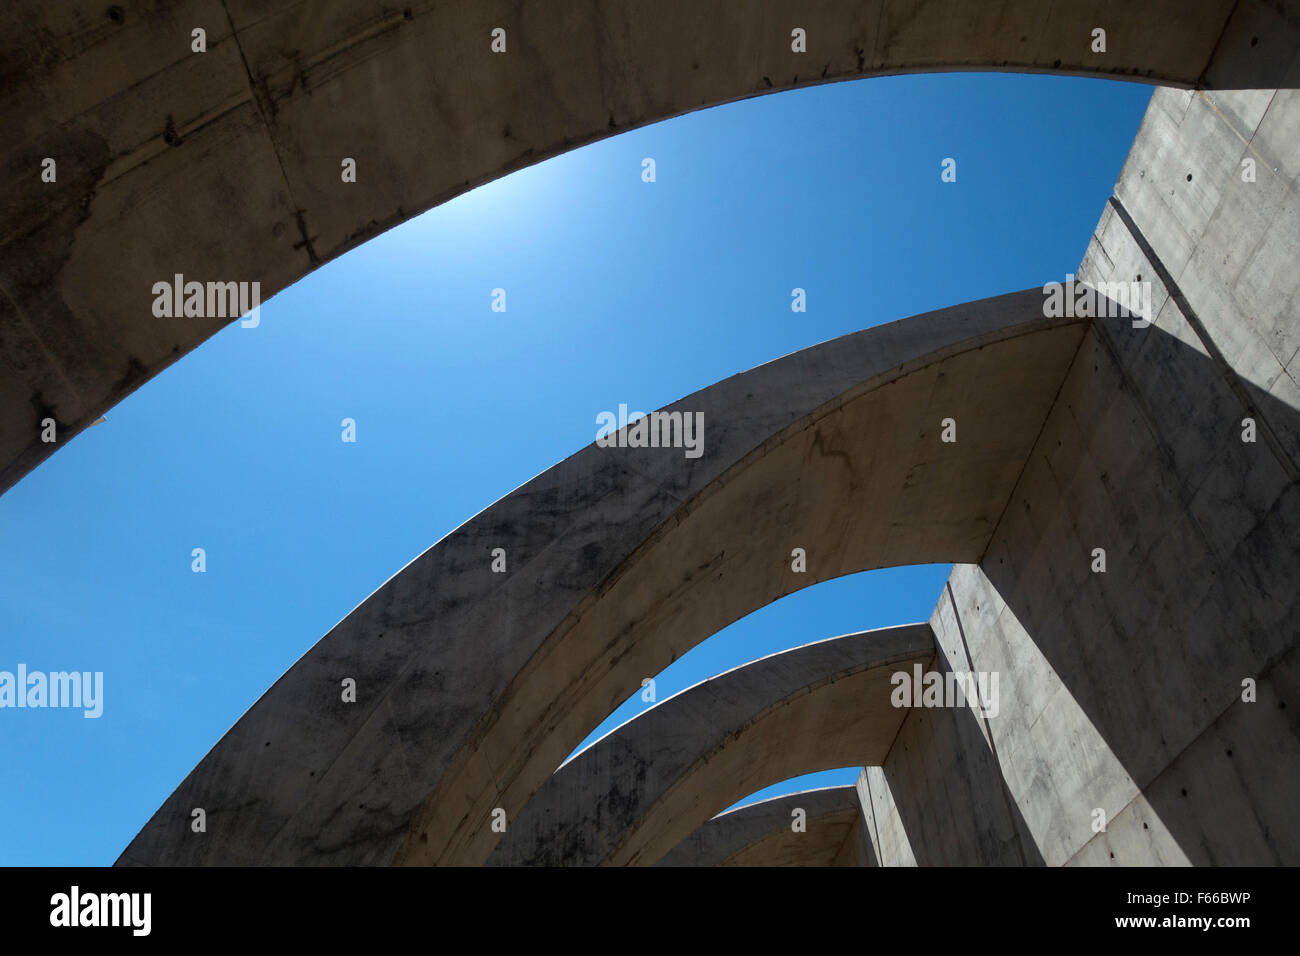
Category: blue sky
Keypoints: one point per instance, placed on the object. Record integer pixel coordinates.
(618, 291)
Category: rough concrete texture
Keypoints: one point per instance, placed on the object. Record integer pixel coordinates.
(1135, 745)
(1225, 248)
(1122, 692)
(1206, 529)
(643, 788)
(938, 797)
(225, 165)
(764, 834)
(474, 686)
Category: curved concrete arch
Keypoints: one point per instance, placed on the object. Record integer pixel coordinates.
(644, 787)
(473, 686)
(225, 166)
(761, 833)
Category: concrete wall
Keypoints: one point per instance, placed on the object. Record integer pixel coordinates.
(1122, 692)
(938, 798)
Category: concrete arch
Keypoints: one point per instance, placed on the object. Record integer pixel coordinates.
(643, 788)
(472, 692)
(225, 166)
(474, 686)
(760, 834)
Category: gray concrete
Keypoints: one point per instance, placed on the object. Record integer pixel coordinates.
(938, 798)
(1122, 692)
(641, 789)
(1135, 745)
(1203, 526)
(225, 165)
(762, 833)
(474, 686)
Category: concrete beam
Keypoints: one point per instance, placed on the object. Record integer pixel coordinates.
(641, 789)
(225, 166)
(939, 798)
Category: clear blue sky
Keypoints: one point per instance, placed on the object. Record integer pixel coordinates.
(617, 291)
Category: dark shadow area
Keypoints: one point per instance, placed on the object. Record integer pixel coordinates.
(949, 792)
(763, 833)
(1143, 456)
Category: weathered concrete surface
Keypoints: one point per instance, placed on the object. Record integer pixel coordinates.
(644, 787)
(1122, 692)
(762, 834)
(938, 799)
(474, 686)
(1224, 248)
(225, 165)
(1215, 552)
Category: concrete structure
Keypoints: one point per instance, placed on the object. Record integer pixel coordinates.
(225, 165)
(1157, 697)
(619, 561)
(643, 788)
(1122, 697)
(763, 834)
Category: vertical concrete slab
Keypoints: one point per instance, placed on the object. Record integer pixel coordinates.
(1122, 691)
(940, 792)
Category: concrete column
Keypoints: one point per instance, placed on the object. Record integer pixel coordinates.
(939, 798)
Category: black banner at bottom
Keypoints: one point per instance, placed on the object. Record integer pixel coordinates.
(334, 906)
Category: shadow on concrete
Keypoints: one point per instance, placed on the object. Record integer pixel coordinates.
(948, 790)
(1143, 456)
